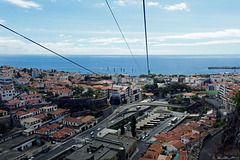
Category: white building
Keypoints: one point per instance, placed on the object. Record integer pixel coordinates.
(35, 73)
(31, 123)
(6, 81)
(7, 93)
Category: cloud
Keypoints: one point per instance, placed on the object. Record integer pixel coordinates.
(25, 4)
(176, 7)
(231, 41)
(2, 21)
(99, 4)
(152, 4)
(119, 2)
(113, 40)
(10, 45)
(200, 35)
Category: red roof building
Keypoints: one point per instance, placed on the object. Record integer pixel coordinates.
(62, 134)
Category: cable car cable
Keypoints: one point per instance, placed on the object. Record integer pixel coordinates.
(146, 42)
(122, 34)
(46, 48)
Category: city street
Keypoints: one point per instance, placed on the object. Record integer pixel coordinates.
(80, 139)
(59, 147)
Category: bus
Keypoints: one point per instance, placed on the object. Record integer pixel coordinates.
(174, 120)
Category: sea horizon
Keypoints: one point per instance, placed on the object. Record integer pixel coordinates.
(125, 64)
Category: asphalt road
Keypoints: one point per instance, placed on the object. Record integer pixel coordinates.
(160, 103)
(80, 138)
(142, 145)
(59, 146)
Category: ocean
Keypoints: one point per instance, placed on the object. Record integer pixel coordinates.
(125, 64)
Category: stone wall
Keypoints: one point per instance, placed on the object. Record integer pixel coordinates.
(80, 104)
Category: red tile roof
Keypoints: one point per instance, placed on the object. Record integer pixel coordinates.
(61, 133)
(154, 155)
(14, 101)
(2, 111)
(187, 136)
(72, 119)
(142, 158)
(6, 88)
(41, 116)
(156, 148)
(87, 118)
(189, 94)
(20, 113)
(177, 144)
(194, 124)
(53, 126)
(58, 111)
(182, 155)
(31, 95)
(33, 110)
(42, 130)
(32, 101)
(149, 94)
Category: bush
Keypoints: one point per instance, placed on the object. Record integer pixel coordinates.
(219, 122)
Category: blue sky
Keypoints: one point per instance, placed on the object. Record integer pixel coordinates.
(86, 27)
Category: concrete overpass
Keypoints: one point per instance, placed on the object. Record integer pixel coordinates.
(162, 104)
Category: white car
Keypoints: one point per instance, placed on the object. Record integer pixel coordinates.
(98, 129)
(91, 133)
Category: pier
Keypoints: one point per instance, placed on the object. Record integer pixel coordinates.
(223, 67)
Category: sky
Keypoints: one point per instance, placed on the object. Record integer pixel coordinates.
(86, 27)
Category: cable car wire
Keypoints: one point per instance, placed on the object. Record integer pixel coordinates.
(46, 48)
(122, 34)
(146, 42)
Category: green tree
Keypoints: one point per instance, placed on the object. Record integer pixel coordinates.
(143, 76)
(67, 86)
(120, 75)
(181, 109)
(56, 95)
(122, 129)
(195, 97)
(98, 92)
(18, 75)
(237, 100)
(133, 126)
(41, 75)
(3, 128)
(157, 80)
(77, 91)
(87, 78)
(219, 122)
(205, 109)
(89, 93)
(129, 83)
(50, 94)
